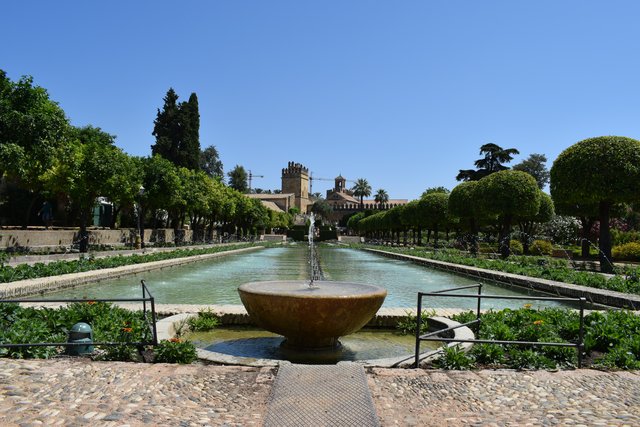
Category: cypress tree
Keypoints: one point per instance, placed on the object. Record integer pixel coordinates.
(177, 131)
(166, 128)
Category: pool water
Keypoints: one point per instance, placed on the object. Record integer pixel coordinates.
(216, 281)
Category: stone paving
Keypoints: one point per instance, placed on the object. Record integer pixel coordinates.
(81, 392)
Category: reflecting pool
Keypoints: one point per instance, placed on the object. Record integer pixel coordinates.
(216, 281)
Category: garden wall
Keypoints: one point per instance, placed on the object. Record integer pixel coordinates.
(62, 240)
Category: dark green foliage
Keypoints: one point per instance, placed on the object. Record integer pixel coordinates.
(494, 157)
(177, 129)
(238, 179)
(205, 320)
(535, 166)
(175, 351)
(210, 163)
(488, 354)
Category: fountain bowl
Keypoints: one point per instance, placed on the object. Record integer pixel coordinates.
(311, 317)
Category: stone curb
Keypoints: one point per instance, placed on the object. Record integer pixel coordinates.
(28, 287)
(593, 295)
(389, 317)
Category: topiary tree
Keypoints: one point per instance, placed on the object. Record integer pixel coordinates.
(530, 225)
(604, 170)
(464, 205)
(510, 195)
(436, 212)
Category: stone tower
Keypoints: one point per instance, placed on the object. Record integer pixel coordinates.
(295, 180)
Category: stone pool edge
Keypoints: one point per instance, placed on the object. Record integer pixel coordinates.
(233, 315)
(30, 287)
(593, 295)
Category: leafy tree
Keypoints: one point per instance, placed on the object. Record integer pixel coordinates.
(510, 195)
(603, 171)
(210, 163)
(464, 204)
(85, 172)
(436, 211)
(381, 197)
(162, 188)
(321, 208)
(176, 129)
(33, 130)
(494, 157)
(238, 179)
(535, 165)
(587, 214)
(361, 189)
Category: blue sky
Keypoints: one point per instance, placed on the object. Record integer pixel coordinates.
(401, 93)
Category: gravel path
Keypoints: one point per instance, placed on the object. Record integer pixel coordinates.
(81, 392)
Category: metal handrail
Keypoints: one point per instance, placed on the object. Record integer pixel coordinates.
(151, 322)
(444, 293)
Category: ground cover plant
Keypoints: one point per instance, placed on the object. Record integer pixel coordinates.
(611, 340)
(109, 323)
(625, 280)
(25, 271)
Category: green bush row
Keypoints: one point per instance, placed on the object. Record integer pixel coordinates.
(627, 280)
(611, 340)
(25, 271)
(28, 325)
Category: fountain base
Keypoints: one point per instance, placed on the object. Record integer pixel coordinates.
(311, 317)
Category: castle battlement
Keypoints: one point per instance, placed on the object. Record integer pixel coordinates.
(294, 169)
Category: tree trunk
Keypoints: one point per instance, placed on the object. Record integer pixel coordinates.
(83, 240)
(435, 236)
(25, 224)
(606, 266)
(474, 236)
(585, 243)
(505, 239)
(419, 236)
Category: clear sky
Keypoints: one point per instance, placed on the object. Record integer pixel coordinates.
(402, 93)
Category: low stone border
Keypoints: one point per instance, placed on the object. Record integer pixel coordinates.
(236, 315)
(593, 295)
(23, 288)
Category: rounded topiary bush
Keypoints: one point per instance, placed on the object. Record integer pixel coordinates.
(541, 247)
(516, 247)
(628, 251)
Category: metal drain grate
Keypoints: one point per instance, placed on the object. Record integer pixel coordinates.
(321, 395)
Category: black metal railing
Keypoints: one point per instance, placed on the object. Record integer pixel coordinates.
(435, 335)
(149, 317)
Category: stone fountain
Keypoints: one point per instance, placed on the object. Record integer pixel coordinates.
(311, 314)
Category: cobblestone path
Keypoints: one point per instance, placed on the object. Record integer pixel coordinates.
(78, 392)
(506, 398)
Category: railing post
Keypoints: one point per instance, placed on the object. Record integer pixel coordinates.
(153, 321)
(581, 332)
(144, 297)
(478, 308)
(418, 325)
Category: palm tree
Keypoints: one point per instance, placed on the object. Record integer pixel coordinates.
(361, 189)
(494, 157)
(381, 197)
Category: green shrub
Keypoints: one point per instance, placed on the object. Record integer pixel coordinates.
(488, 354)
(175, 350)
(627, 251)
(621, 237)
(454, 358)
(541, 247)
(516, 247)
(204, 321)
